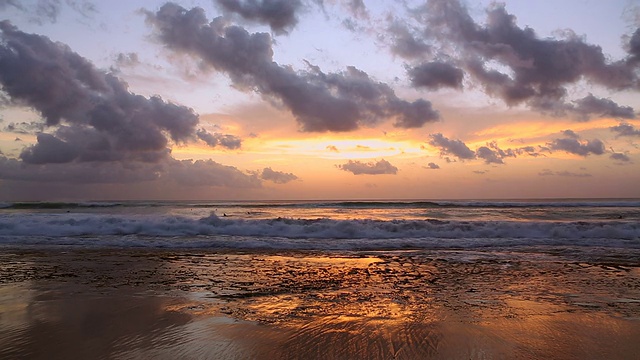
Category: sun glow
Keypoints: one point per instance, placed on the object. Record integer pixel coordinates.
(538, 129)
(346, 148)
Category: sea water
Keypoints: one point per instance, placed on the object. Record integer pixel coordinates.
(596, 225)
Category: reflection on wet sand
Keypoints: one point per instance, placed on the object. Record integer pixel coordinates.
(70, 322)
(178, 304)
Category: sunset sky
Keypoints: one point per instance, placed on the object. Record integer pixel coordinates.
(319, 99)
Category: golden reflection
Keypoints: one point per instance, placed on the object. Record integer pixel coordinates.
(265, 305)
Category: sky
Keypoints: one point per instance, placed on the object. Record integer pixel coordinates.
(319, 99)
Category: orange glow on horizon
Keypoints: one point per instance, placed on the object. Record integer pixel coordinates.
(537, 129)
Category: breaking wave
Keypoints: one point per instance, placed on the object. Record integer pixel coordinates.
(214, 231)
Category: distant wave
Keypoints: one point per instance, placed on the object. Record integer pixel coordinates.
(470, 204)
(56, 205)
(570, 203)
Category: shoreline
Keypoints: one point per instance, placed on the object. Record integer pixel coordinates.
(313, 304)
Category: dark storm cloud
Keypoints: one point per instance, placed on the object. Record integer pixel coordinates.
(432, 166)
(435, 75)
(217, 139)
(514, 64)
(102, 115)
(320, 101)
(625, 129)
(280, 15)
(277, 177)
(381, 167)
(447, 146)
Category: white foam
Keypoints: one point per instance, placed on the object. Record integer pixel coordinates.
(169, 231)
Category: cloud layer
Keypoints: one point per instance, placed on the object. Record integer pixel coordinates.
(512, 63)
(100, 132)
(277, 177)
(381, 167)
(280, 15)
(342, 101)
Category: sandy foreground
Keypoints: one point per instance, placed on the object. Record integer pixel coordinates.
(169, 304)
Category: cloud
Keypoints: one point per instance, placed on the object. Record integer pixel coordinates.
(405, 43)
(280, 15)
(371, 168)
(357, 8)
(514, 64)
(40, 11)
(432, 166)
(524, 150)
(50, 150)
(570, 134)
(547, 172)
(591, 105)
(97, 131)
(491, 153)
(341, 101)
(24, 127)
(77, 173)
(489, 156)
(206, 173)
(620, 157)
(582, 148)
(574, 145)
(634, 46)
(215, 139)
(625, 129)
(435, 75)
(332, 148)
(277, 177)
(102, 116)
(456, 148)
(127, 60)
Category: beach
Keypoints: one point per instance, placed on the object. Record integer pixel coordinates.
(62, 302)
(309, 179)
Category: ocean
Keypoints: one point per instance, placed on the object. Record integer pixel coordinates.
(601, 226)
(530, 279)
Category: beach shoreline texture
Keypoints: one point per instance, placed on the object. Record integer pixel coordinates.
(404, 304)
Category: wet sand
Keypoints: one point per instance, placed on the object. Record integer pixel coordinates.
(167, 304)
